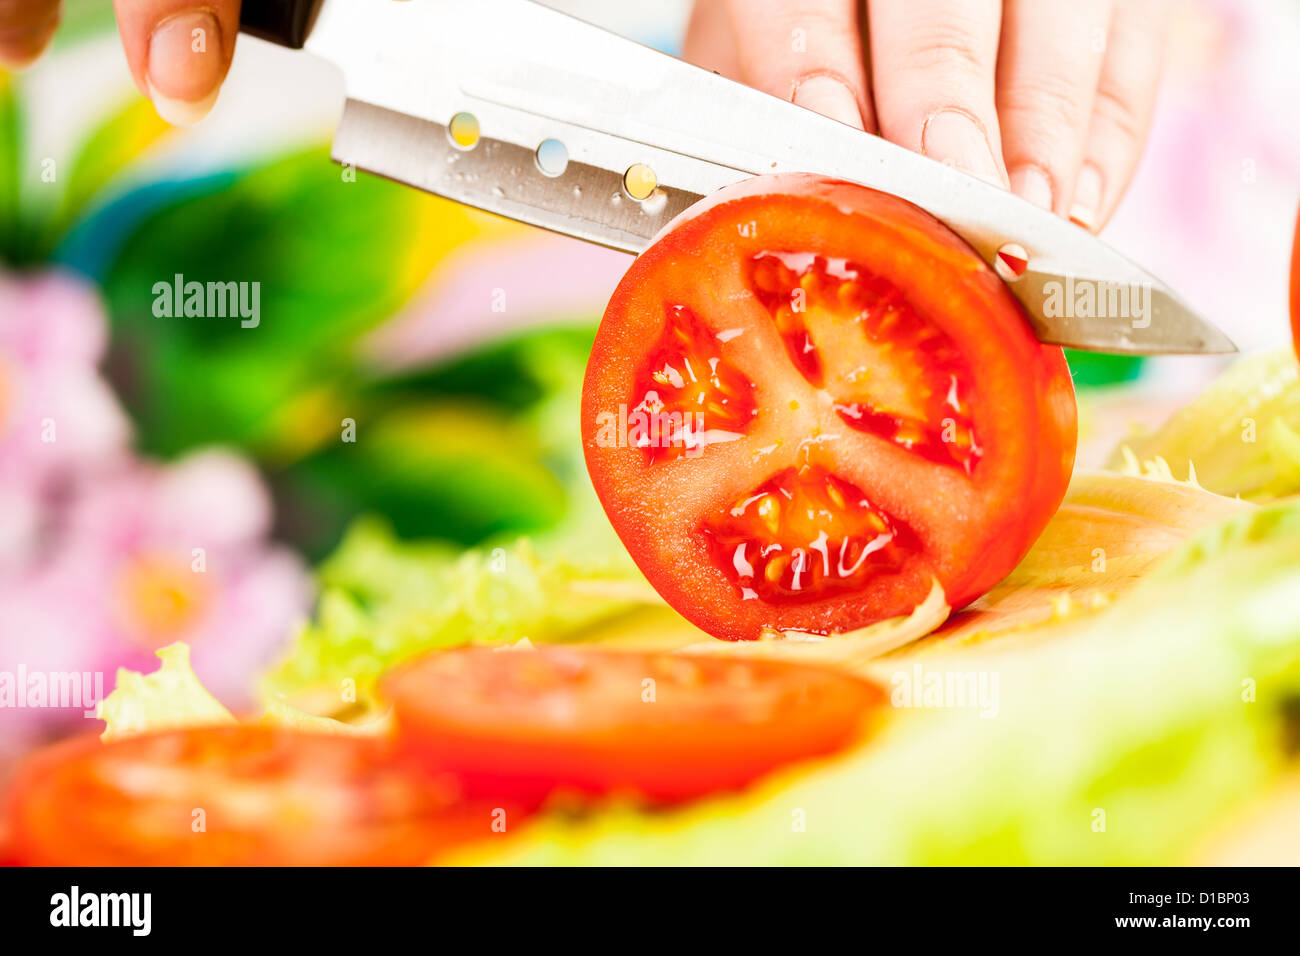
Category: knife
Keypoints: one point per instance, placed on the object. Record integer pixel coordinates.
(523, 111)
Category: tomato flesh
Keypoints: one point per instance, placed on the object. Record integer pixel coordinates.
(661, 727)
(238, 795)
(803, 534)
(837, 343)
(853, 334)
(689, 393)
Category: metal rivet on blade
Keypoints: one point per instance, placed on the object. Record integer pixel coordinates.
(1011, 261)
(640, 181)
(552, 157)
(463, 130)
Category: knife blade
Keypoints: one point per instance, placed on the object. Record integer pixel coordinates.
(528, 74)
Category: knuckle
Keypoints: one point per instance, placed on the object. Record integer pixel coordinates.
(831, 30)
(944, 48)
(1050, 100)
(1120, 115)
(820, 21)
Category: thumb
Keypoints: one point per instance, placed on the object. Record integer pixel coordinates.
(179, 52)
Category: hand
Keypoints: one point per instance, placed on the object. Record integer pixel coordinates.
(1049, 97)
(178, 50)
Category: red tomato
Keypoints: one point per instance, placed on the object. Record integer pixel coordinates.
(1295, 287)
(239, 795)
(666, 726)
(808, 400)
(6, 849)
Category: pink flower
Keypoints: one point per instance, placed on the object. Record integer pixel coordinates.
(141, 556)
(41, 640)
(156, 554)
(104, 559)
(57, 415)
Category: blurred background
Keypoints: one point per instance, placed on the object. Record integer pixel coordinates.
(355, 472)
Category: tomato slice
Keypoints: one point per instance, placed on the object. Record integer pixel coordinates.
(809, 400)
(1295, 287)
(240, 795)
(664, 726)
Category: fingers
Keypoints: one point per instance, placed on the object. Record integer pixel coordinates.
(1121, 113)
(809, 52)
(933, 64)
(1048, 69)
(26, 27)
(709, 41)
(178, 52)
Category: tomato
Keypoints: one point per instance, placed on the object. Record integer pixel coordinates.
(6, 848)
(809, 400)
(664, 726)
(1295, 287)
(238, 795)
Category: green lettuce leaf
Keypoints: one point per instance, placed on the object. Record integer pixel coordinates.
(166, 699)
(1238, 437)
(173, 697)
(1110, 745)
(385, 600)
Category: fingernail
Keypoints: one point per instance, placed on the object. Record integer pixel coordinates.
(1087, 197)
(185, 66)
(953, 136)
(1030, 182)
(826, 95)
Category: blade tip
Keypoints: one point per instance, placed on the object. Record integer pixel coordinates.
(1217, 342)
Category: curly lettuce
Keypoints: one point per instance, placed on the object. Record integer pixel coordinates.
(173, 697)
(1240, 437)
(1146, 723)
(385, 601)
(168, 699)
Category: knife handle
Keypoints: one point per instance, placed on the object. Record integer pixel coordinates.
(280, 21)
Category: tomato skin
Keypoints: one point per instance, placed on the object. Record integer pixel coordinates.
(1295, 287)
(7, 857)
(1023, 401)
(270, 797)
(529, 723)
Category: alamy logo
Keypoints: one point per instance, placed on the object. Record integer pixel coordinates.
(920, 687)
(208, 300)
(75, 908)
(1097, 299)
(53, 689)
(649, 426)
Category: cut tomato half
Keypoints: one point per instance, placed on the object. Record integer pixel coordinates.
(663, 726)
(809, 400)
(240, 795)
